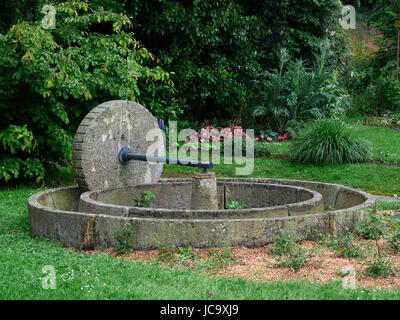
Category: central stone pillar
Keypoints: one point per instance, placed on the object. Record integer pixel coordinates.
(204, 191)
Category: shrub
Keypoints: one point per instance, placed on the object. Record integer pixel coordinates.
(371, 228)
(381, 95)
(392, 234)
(18, 142)
(291, 254)
(379, 266)
(344, 245)
(217, 260)
(124, 240)
(50, 78)
(294, 91)
(284, 243)
(261, 149)
(328, 141)
(295, 258)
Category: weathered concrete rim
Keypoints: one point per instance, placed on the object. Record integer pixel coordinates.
(315, 201)
(369, 202)
(95, 231)
(33, 201)
(369, 199)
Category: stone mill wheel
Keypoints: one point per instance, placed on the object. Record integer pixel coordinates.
(102, 133)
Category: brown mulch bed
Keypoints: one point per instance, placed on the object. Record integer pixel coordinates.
(258, 264)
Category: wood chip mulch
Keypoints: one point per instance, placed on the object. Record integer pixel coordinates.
(258, 264)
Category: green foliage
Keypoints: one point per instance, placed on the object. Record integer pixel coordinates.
(392, 232)
(16, 168)
(49, 79)
(13, 11)
(18, 142)
(296, 258)
(371, 227)
(145, 200)
(166, 253)
(218, 48)
(262, 149)
(344, 245)
(328, 141)
(233, 205)
(291, 254)
(295, 92)
(298, 25)
(209, 47)
(382, 19)
(379, 266)
(284, 243)
(124, 240)
(215, 261)
(383, 94)
(372, 78)
(99, 276)
(16, 138)
(360, 71)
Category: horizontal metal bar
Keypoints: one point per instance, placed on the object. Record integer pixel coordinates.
(125, 155)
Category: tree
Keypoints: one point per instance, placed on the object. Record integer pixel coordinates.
(50, 78)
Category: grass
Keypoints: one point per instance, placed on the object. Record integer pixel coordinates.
(383, 140)
(84, 276)
(376, 179)
(329, 141)
(370, 178)
(384, 205)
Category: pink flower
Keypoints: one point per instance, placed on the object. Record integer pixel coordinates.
(370, 149)
(281, 138)
(262, 137)
(256, 139)
(285, 135)
(294, 137)
(269, 139)
(385, 115)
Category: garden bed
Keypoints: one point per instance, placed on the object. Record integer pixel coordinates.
(260, 264)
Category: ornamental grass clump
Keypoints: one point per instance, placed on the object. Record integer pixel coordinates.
(329, 141)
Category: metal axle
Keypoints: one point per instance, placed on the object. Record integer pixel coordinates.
(125, 156)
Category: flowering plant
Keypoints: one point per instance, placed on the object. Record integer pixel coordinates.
(387, 120)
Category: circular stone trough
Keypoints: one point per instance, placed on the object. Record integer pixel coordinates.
(90, 220)
(172, 201)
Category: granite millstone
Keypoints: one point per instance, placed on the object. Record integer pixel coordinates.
(101, 135)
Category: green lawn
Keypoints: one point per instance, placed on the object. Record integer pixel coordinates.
(371, 178)
(377, 179)
(385, 142)
(82, 276)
